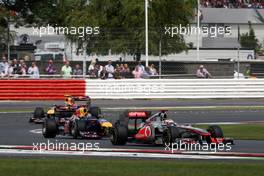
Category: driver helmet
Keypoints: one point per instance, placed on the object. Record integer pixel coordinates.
(163, 116)
(82, 112)
(69, 101)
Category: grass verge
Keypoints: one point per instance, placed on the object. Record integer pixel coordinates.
(242, 131)
(125, 167)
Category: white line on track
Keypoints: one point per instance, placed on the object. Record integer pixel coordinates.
(36, 131)
(118, 154)
(16, 112)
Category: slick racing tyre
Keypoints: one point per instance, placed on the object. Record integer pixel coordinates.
(119, 135)
(49, 129)
(39, 113)
(95, 111)
(123, 119)
(216, 131)
(74, 130)
(81, 124)
(170, 135)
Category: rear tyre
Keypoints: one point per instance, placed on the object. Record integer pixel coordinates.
(49, 129)
(216, 131)
(170, 135)
(119, 135)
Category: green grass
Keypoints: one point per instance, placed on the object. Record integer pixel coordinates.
(125, 167)
(242, 131)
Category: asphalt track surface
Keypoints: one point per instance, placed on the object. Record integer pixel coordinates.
(141, 103)
(15, 129)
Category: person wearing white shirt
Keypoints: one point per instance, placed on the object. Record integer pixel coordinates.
(33, 71)
(141, 67)
(4, 65)
(110, 69)
(66, 70)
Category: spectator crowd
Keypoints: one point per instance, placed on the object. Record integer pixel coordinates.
(259, 4)
(15, 68)
(120, 71)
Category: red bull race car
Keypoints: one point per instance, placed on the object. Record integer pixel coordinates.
(64, 111)
(82, 124)
(142, 127)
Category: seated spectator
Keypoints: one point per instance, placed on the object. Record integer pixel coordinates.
(137, 72)
(77, 71)
(121, 67)
(66, 70)
(140, 66)
(91, 68)
(117, 73)
(100, 69)
(110, 69)
(103, 73)
(50, 69)
(23, 69)
(33, 71)
(97, 69)
(16, 67)
(203, 73)
(125, 71)
(152, 70)
(4, 65)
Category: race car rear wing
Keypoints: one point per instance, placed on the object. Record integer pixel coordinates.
(79, 98)
(138, 114)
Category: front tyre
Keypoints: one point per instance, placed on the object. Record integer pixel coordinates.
(49, 129)
(39, 113)
(74, 130)
(170, 135)
(119, 135)
(216, 131)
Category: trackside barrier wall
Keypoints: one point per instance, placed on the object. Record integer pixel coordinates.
(40, 89)
(131, 88)
(175, 88)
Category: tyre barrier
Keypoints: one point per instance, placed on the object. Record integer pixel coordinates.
(40, 89)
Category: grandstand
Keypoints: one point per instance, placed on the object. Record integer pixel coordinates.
(258, 4)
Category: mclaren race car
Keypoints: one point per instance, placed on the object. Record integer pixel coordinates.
(142, 127)
(64, 111)
(82, 123)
